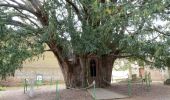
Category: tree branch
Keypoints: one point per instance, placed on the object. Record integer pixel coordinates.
(48, 50)
(17, 23)
(36, 4)
(157, 30)
(121, 56)
(16, 2)
(75, 8)
(19, 7)
(26, 17)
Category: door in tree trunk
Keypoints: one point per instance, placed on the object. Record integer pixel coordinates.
(92, 69)
(84, 70)
(100, 70)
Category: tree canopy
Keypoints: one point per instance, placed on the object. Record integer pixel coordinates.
(133, 29)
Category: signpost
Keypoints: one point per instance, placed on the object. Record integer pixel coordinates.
(57, 91)
(39, 79)
(31, 93)
(51, 81)
(94, 89)
(25, 85)
(129, 87)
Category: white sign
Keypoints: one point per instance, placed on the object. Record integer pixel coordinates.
(39, 77)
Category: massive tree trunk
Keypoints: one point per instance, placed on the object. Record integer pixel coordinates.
(168, 72)
(77, 75)
(77, 72)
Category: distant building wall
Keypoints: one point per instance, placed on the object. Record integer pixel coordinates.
(156, 74)
(47, 66)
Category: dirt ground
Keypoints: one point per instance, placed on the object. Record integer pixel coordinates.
(157, 91)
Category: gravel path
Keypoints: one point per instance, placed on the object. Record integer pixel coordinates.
(139, 92)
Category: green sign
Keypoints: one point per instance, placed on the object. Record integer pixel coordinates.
(39, 79)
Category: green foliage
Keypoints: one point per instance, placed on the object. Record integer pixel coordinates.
(15, 47)
(2, 88)
(119, 67)
(127, 28)
(167, 82)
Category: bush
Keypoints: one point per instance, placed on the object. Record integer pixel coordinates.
(167, 82)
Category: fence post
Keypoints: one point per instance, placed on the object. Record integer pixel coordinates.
(129, 87)
(37, 83)
(25, 85)
(149, 78)
(148, 81)
(51, 82)
(57, 91)
(94, 90)
(31, 92)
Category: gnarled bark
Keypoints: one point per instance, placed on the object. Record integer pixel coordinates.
(77, 73)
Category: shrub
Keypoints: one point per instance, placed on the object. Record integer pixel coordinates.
(167, 82)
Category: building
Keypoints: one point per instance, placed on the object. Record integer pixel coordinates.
(45, 66)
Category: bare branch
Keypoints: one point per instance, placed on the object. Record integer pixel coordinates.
(26, 17)
(75, 8)
(48, 50)
(22, 7)
(16, 23)
(158, 31)
(39, 14)
(36, 4)
(15, 2)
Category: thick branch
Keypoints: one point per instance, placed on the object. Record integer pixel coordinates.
(16, 2)
(15, 23)
(75, 8)
(36, 4)
(26, 17)
(19, 7)
(144, 60)
(54, 48)
(121, 56)
(47, 50)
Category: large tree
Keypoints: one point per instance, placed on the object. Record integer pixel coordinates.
(76, 30)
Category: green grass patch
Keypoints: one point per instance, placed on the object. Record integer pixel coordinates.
(2, 88)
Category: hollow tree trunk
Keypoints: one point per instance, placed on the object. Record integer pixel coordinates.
(77, 75)
(105, 70)
(168, 73)
(77, 72)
